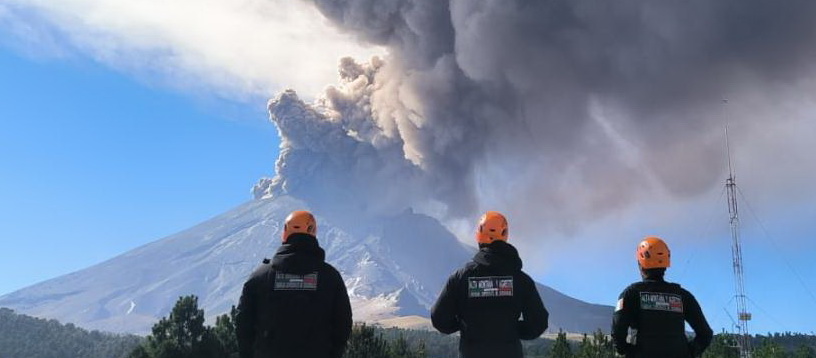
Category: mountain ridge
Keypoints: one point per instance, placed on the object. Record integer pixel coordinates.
(393, 267)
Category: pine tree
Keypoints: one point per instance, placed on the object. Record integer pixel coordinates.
(804, 352)
(421, 350)
(585, 348)
(224, 332)
(769, 349)
(139, 352)
(182, 335)
(400, 349)
(599, 346)
(561, 348)
(366, 343)
(722, 346)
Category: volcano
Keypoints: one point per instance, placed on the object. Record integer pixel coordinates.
(393, 267)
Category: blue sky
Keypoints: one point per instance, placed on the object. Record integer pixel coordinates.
(105, 147)
(778, 276)
(96, 163)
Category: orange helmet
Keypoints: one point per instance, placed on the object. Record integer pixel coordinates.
(492, 227)
(653, 252)
(299, 222)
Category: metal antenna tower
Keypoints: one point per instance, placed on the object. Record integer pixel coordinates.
(743, 316)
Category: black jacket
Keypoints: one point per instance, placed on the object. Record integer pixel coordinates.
(659, 310)
(295, 306)
(485, 301)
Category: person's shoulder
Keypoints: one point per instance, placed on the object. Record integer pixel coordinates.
(467, 270)
(261, 271)
(462, 273)
(524, 282)
(633, 287)
(677, 288)
(636, 285)
(327, 269)
(674, 286)
(524, 275)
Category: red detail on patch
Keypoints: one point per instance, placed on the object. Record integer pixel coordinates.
(676, 304)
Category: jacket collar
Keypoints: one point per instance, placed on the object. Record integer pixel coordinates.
(498, 254)
(300, 253)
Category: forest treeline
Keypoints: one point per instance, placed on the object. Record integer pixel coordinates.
(377, 342)
(183, 334)
(23, 336)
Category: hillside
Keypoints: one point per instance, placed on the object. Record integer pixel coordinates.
(22, 336)
(393, 267)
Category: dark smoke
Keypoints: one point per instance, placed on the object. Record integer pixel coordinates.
(570, 107)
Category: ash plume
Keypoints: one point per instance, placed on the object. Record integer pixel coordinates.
(566, 108)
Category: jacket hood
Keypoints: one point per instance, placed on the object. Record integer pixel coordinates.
(500, 255)
(300, 254)
(653, 274)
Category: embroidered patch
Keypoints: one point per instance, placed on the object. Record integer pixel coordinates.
(658, 301)
(490, 286)
(292, 282)
(619, 306)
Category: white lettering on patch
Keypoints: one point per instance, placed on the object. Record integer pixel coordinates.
(659, 301)
(490, 286)
(293, 282)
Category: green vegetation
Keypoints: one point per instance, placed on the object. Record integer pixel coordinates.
(562, 348)
(369, 342)
(599, 346)
(183, 335)
(787, 345)
(28, 337)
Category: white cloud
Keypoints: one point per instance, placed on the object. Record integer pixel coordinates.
(235, 48)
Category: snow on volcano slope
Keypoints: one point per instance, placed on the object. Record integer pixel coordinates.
(392, 268)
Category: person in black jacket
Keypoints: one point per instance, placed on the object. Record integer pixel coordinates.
(490, 300)
(658, 311)
(296, 305)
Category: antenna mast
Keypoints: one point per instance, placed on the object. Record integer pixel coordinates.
(743, 316)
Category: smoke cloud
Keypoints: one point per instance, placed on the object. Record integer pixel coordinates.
(547, 109)
(551, 111)
(238, 49)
